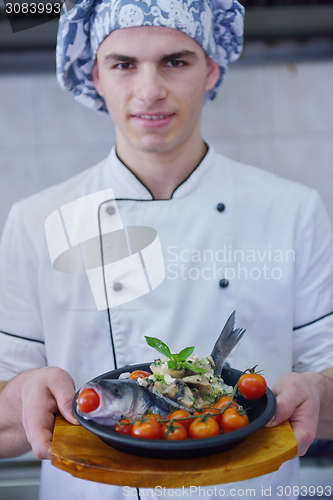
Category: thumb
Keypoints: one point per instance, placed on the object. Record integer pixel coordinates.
(64, 391)
(284, 409)
(65, 408)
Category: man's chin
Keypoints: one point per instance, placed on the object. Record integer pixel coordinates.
(160, 146)
(154, 149)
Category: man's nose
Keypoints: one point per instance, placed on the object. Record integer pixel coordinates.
(150, 85)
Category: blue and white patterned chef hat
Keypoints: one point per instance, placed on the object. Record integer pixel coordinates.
(217, 25)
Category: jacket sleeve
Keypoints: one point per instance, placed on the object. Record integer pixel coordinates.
(21, 333)
(313, 309)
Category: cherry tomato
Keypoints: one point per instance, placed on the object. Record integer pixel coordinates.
(252, 385)
(232, 419)
(139, 374)
(201, 429)
(174, 432)
(214, 413)
(153, 416)
(147, 428)
(179, 415)
(222, 403)
(88, 400)
(124, 426)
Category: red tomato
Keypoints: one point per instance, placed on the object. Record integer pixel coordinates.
(182, 417)
(174, 432)
(88, 400)
(201, 429)
(252, 385)
(147, 428)
(232, 419)
(154, 417)
(139, 374)
(214, 413)
(124, 426)
(222, 403)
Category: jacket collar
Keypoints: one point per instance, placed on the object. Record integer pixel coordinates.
(132, 187)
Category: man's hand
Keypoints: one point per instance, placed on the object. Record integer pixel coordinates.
(305, 399)
(28, 404)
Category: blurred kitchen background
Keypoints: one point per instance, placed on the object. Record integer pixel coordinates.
(274, 111)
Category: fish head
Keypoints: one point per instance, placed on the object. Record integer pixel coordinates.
(106, 400)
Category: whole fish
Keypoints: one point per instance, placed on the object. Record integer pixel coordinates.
(116, 398)
(125, 398)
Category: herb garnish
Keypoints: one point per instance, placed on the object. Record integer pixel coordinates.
(176, 361)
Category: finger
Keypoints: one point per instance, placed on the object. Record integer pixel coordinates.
(289, 393)
(47, 391)
(304, 423)
(38, 422)
(40, 440)
(304, 435)
(284, 410)
(303, 420)
(64, 399)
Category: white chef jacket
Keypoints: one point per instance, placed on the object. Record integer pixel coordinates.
(233, 237)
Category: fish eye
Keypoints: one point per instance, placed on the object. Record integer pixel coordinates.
(116, 390)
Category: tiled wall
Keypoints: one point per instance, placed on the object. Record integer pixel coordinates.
(279, 118)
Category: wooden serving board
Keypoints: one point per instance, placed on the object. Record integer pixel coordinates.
(84, 455)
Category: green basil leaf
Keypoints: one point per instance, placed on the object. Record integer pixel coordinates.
(159, 346)
(172, 365)
(185, 353)
(193, 368)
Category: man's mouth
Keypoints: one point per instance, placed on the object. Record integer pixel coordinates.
(153, 117)
(153, 120)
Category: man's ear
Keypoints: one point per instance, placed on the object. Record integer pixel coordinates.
(213, 73)
(96, 80)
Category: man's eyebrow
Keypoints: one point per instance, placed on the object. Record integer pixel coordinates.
(183, 54)
(119, 57)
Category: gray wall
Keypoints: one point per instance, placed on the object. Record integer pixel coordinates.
(277, 117)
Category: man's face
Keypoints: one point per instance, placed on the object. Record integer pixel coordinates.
(153, 80)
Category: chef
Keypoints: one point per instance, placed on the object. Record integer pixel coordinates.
(163, 238)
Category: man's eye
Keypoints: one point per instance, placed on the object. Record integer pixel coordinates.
(175, 63)
(123, 65)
